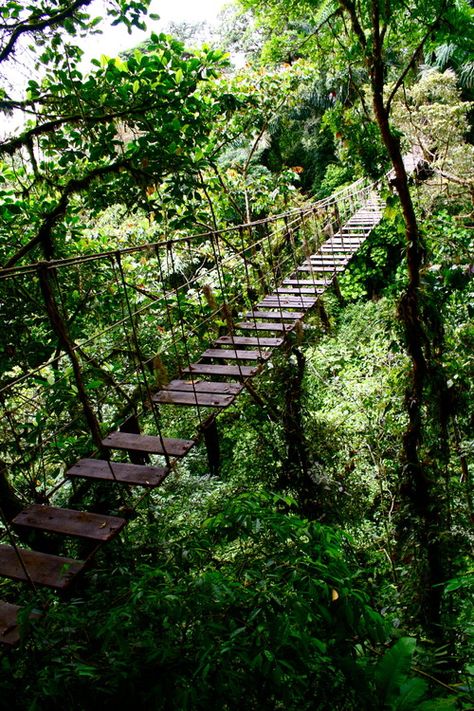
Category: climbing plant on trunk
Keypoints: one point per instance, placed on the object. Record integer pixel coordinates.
(383, 44)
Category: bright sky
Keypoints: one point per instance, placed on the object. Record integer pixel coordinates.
(116, 39)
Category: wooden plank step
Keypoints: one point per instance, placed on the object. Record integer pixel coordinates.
(354, 230)
(297, 304)
(9, 631)
(341, 248)
(342, 239)
(345, 239)
(177, 397)
(231, 371)
(342, 244)
(70, 523)
(321, 268)
(249, 341)
(147, 443)
(119, 472)
(204, 386)
(298, 290)
(364, 222)
(275, 326)
(280, 315)
(53, 571)
(306, 282)
(233, 354)
(327, 258)
(286, 300)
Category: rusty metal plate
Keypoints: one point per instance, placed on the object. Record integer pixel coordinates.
(119, 472)
(70, 523)
(43, 568)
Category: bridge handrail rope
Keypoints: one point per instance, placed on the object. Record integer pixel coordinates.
(358, 188)
(358, 191)
(284, 245)
(260, 264)
(299, 214)
(91, 339)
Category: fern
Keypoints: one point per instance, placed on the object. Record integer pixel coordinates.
(444, 54)
(326, 8)
(392, 671)
(466, 75)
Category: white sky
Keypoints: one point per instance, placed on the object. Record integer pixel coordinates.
(116, 39)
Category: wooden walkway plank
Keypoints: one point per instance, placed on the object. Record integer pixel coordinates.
(177, 397)
(280, 315)
(204, 386)
(321, 268)
(233, 354)
(52, 571)
(307, 282)
(333, 258)
(298, 290)
(9, 631)
(231, 371)
(342, 249)
(345, 240)
(70, 523)
(249, 341)
(147, 443)
(288, 300)
(259, 326)
(118, 472)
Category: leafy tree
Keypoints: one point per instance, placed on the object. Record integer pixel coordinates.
(433, 117)
(95, 140)
(385, 42)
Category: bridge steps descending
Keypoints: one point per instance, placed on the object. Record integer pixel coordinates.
(213, 382)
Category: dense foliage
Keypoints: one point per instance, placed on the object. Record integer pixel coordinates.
(337, 580)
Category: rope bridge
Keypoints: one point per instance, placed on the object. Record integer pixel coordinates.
(187, 322)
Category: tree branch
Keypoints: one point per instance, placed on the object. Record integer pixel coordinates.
(32, 26)
(15, 144)
(409, 65)
(75, 185)
(349, 6)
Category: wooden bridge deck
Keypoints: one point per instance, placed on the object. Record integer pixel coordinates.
(213, 383)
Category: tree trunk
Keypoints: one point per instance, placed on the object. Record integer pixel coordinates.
(417, 488)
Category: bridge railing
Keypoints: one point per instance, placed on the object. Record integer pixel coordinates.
(109, 329)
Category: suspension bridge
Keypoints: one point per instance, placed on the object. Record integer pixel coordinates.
(199, 316)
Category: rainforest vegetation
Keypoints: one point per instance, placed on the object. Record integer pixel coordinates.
(313, 550)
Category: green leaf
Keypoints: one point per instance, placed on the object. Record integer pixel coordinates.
(411, 693)
(392, 670)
